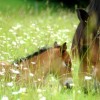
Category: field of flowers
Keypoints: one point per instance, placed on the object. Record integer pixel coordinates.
(25, 29)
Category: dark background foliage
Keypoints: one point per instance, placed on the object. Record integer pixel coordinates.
(68, 3)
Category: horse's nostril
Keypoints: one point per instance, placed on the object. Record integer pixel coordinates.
(68, 86)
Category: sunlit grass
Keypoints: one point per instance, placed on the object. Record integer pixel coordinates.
(34, 31)
(23, 32)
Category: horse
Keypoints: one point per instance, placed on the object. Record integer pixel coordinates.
(86, 44)
(94, 8)
(54, 60)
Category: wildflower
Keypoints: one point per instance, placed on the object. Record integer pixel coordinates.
(2, 64)
(39, 79)
(79, 91)
(49, 27)
(25, 68)
(11, 30)
(42, 98)
(33, 25)
(26, 51)
(5, 98)
(88, 77)
(17, 26)
(22, 90)
(2, 73)
(22, 42)
(39, 90)
(40, 95)
(52, 79)
(10, 84)
(2, 57)
(72, 69)
(66, 30)
(0, 28)
(15, 93)
(8, 39)
(15, 71)
(13, 77)
(35, 44)
(31, 74)
(14, 43)
(14, 33)
(33, 63)
(3, 70)
(75, 25)
(15, 64)
(37, 29)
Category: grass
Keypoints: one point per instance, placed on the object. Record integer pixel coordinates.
(25, 28)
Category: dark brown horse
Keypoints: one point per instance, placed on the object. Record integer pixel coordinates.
(38, 65)
(86, 44)
(94, 8)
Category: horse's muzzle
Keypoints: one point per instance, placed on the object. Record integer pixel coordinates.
(69, 83)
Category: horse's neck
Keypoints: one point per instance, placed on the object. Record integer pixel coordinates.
(43, 55)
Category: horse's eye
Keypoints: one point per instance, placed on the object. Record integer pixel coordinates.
(68, 65)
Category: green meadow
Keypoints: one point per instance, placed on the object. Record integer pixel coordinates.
(26, 26)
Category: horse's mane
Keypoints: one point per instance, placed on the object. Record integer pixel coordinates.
(36, 53)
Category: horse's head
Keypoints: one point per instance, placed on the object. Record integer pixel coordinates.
(85, 32)
(80, 31)
(88, 24)
(64, 64)
(86, 41)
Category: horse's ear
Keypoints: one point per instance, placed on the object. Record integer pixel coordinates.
(55, 44)
(82, 15)
(64, 47)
